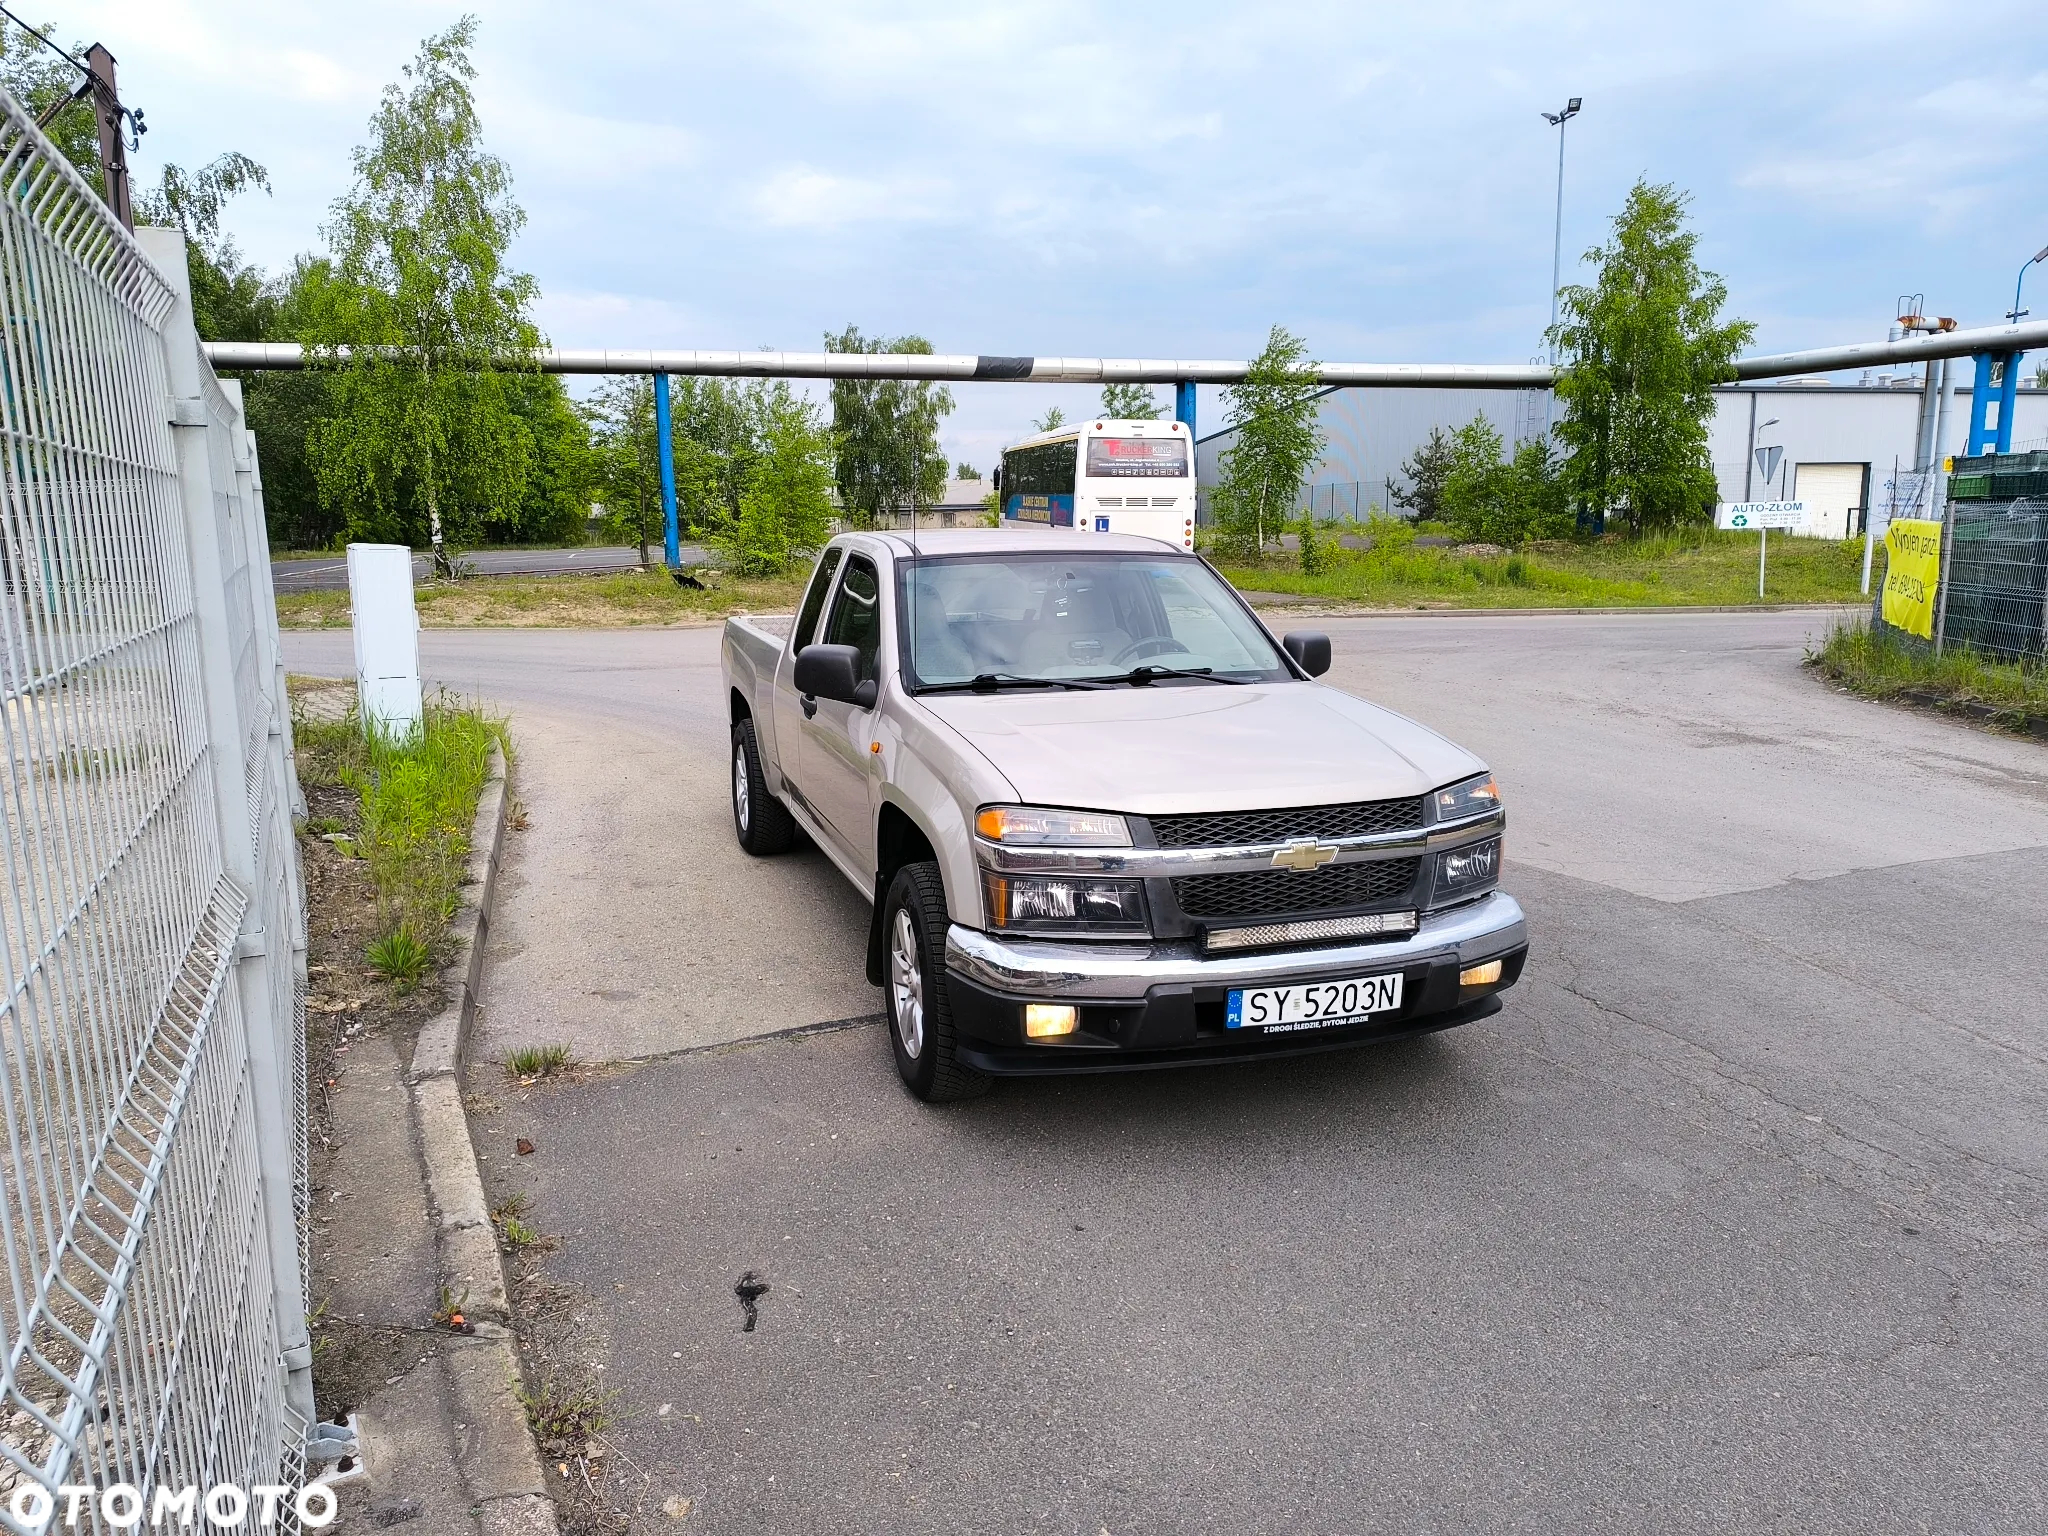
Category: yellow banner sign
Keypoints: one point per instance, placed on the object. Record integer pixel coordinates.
(1912, 549)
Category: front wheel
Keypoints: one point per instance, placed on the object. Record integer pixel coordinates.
(920, 1013)
(763, 822)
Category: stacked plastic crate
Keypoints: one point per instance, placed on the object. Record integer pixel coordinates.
(1995, 587)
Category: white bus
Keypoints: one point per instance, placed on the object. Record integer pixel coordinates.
(1103, 476)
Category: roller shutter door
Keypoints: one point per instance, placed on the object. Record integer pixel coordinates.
(1831, 492)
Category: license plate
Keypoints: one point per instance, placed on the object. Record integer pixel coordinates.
(1312, 1004)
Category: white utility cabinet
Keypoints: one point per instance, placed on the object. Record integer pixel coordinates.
(387, 635)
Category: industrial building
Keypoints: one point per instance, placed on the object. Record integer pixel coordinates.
(1843, 439)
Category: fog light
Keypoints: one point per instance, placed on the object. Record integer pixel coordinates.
(1048, 1021)
(1480, 975)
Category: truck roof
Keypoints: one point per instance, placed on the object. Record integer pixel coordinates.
(977, 541)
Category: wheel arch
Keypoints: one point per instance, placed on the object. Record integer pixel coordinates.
(899, 840)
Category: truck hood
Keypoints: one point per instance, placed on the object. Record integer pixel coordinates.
(1170, 749)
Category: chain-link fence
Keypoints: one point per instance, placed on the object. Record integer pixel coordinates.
(1994, 585)
(152, 1172)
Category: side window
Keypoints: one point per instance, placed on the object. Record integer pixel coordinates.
(814, 600)
(857, 615)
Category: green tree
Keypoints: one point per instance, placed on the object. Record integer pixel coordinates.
(1129, 402)
(1426, 469)
(1490, 497)
(1642, 349)
(1051, 421)
(231, 301)
(626, 458)
(965, 471)
(887, 435)
(39, 77)
(785, 509)
(1278, 440)
(427, 431)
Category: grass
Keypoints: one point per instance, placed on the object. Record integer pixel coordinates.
(416, 800)
(537, 1060)
(401, 957)
(565, 1417)
(1883, 664)
(1698, 567)
(614, 600)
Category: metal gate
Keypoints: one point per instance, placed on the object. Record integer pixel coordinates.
(152, 1168)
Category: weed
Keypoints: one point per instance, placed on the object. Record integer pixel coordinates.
(513, 1205)
(322, 826)
(1882, 663)
(401, 957)
(448, 1306)
(564, 1417)
(537, 1060)
(518, 1234)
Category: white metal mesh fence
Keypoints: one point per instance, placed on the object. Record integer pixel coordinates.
(152, 1317)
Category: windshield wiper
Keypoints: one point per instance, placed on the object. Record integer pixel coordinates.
(1147, 673)
(990, 682)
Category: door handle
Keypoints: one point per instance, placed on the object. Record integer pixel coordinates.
(810, 706)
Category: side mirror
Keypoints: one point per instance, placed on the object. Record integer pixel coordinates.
(1310, 649)
(828, 672)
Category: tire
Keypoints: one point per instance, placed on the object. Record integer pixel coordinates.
(920, 1013)
(763, 822)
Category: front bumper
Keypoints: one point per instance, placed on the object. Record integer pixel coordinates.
(1163, 1003)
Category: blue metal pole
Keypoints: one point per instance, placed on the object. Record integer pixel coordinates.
(672, 544)
(1984, 437)
(1184, 405)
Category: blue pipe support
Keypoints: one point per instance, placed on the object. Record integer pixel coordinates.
(672, 538)
(1998, 376)
(1184, 405)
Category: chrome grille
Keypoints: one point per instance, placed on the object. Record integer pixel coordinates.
(1237, 829)
(1280, 892)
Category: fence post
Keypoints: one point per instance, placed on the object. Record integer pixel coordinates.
(271, 1042)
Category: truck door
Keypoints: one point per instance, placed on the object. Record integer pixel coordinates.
(789, 718)
(834, 769)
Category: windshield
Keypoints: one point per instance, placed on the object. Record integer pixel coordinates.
(1093, 616)
(1146, 458)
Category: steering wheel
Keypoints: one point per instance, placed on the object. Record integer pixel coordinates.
(1151, 645)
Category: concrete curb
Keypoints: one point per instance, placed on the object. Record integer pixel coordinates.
(2016, 720)
(494, 1449)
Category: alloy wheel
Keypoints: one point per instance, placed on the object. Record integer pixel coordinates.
(906, 985)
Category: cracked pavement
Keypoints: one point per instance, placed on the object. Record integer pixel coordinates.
(1736, 1217)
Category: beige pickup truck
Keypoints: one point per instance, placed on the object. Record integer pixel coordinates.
(1106, 819)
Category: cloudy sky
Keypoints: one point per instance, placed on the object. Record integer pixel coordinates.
(1152, 180)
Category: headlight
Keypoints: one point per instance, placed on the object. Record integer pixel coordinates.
(1470, 868)
(1471, 798)
(1035, 826)
(1042, 903)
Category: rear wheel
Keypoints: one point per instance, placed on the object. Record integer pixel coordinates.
(920, 1013)
(763, 822)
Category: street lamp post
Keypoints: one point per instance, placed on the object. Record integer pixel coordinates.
(2018, 282)
(1557, 120)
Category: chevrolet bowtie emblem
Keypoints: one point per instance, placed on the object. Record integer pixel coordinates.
(1303, 855)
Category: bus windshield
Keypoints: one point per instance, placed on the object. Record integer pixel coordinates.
(1053, 617)
(1112, 458)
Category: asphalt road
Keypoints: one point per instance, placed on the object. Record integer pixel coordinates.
(1733, 1219)
(329, 573)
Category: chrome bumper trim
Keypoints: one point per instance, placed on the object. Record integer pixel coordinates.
(1169, 863)
(1121, 973)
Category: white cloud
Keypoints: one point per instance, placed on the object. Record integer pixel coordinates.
(803, 197)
